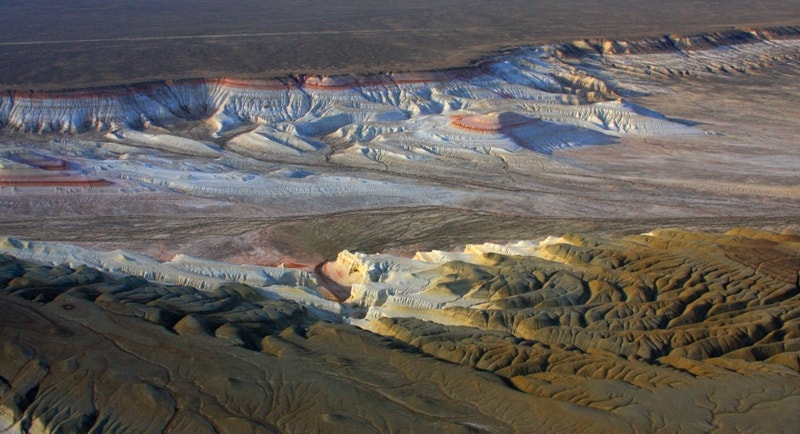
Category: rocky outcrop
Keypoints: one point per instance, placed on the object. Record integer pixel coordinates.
(672, 330)
(84, 351)
(667, 293)
(227, 104)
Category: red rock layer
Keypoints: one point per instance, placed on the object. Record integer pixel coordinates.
(489, 123)
(235, 83)
(52, 181)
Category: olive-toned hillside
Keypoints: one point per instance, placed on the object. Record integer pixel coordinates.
(673, 330)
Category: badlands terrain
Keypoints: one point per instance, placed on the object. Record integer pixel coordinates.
(590, 235)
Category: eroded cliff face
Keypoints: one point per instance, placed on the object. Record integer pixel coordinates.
(662, 294)
(539, 131)
(670, 330)
(543, 74)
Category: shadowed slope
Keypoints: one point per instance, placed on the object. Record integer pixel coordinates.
(85, 351)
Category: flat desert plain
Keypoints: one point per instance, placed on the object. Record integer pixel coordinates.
(427, 216)
(86, 43)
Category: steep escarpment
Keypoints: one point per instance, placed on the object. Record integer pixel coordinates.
(530, 131)
(230, 102)
(667, 293)
(88, 351)
(669, 321)
(669, 330)
(672, 43)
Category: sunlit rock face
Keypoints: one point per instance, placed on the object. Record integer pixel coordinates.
(664, 293)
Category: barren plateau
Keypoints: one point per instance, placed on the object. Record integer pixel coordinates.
(86, 43)
(587, 235)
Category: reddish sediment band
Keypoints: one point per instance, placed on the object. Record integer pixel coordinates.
(47, 164)
(667, 43)
(437, 76)
(330, 82)
(236, 83)
(109, 92)
(340, 82)
(318, 82)
(489, 123)
(52, 181)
